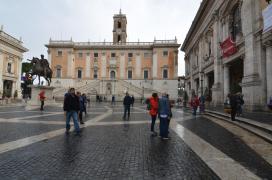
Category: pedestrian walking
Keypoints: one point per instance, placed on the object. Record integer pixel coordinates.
(127, 103)
(194, 103)
(164, 113)
(240, 103)
(202, 104)
(233, 104)
(81, 107)
(170, 115)
(113, 100)
(132, 100)
(85, 102)
(153, 111)
(71, 106)
(42, 99)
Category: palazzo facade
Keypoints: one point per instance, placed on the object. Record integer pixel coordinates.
(11, 56)
(227, 50)
(112, 68)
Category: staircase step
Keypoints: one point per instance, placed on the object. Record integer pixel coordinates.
(263, 131)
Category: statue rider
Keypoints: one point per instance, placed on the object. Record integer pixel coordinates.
(45, 64)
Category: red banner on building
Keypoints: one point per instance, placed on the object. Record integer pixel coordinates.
(228, 47)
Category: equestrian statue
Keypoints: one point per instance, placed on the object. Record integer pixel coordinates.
(40, 67)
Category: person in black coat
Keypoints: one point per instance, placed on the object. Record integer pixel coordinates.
(233, 103)
(127, 102)
(71, 107)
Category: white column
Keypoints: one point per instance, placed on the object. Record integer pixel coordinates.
(1, 72)
(122, 66)
(18, 83)
(155, 65)
(269, 71)
(88, 67)
(69, 64)
(104, 66)
(226, 81)
(138, 66)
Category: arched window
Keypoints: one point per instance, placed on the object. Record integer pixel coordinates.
(95, 74)
(236, 25)
(58, 74)
(112, 74)
(9, 68)
(119, 24)
(119, 38)
(165, 73)
(79, 73)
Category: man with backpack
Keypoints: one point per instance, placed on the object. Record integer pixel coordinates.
(127, 103)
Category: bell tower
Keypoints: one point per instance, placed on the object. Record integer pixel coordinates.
(119, 28)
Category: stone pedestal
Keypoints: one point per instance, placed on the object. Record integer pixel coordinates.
(35, 99)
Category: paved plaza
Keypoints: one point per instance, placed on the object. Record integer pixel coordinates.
(33, 145)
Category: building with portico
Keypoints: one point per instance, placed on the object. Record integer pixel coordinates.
(11, 56)
(228, 50)
(112, 68)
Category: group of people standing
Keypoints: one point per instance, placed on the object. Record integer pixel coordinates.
(74, 106)
(161, 108)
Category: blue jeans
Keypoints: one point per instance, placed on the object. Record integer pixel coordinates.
(194, 110)
(163, 127)
(74, 115)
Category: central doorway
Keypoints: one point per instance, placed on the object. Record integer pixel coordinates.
(112, 74)
(7, 89)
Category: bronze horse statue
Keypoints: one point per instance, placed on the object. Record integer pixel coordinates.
(40, 67)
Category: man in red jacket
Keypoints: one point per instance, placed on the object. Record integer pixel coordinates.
(194, 103)
(42, 98)
(153, 111)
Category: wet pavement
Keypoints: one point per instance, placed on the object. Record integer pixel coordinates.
(113, 148)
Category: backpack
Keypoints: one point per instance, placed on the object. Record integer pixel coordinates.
(148, 104)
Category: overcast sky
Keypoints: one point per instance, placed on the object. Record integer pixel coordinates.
(38, 20)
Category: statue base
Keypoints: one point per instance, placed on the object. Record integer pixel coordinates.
(35, 98)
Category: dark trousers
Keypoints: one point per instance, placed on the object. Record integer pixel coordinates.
(80, 116)
(194, 110)
(153, 118)
(233, 113)
(126, 111)
(42, 104)
(163, 127)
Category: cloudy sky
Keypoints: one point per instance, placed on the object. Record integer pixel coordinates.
(38, 20)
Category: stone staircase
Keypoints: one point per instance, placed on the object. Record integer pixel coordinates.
(87, 88)
(261, 129)
(135, 89)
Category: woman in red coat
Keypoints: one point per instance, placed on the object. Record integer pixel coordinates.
(153, 111)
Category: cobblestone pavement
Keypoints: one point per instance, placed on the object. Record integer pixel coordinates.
(33, 145)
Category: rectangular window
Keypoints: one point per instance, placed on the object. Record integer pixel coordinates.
(80, 55)
(58, 73)
(112, 55)
(130, 54)
(79, 74)
(95, 54)
(147, 55)
(88, 54)
(145, 74)
(59, 53)
(165, 53)
(129, 74)
(95, 74)
(165, 74)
